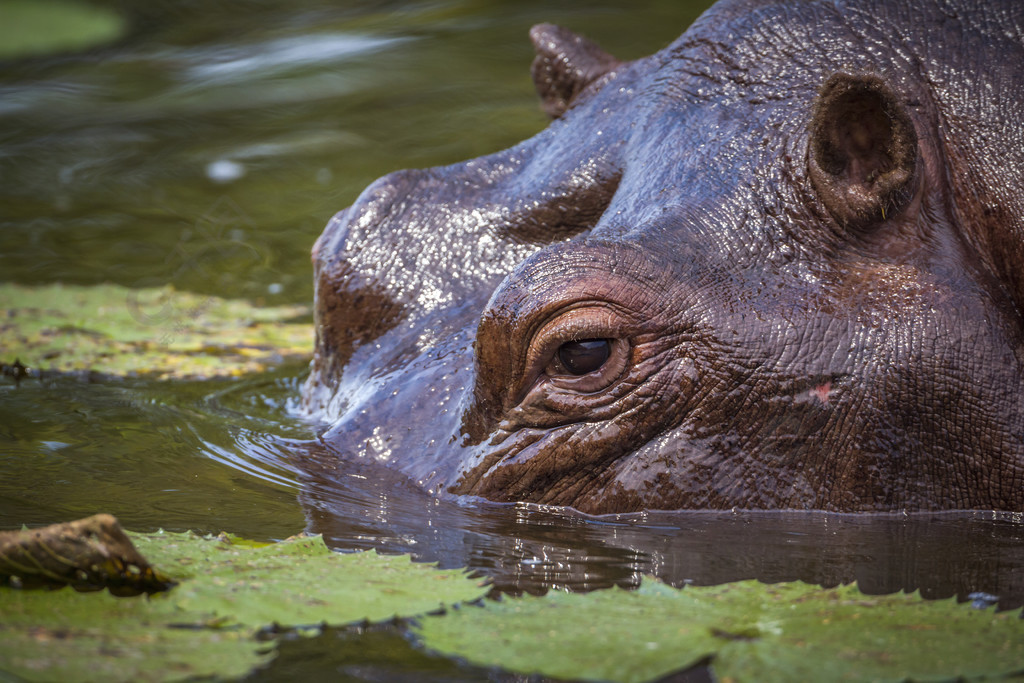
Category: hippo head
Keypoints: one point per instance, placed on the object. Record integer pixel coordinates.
(776, 265)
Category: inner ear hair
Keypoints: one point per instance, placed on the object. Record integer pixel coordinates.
(863, 150)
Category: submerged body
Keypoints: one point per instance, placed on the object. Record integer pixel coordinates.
(776, 265)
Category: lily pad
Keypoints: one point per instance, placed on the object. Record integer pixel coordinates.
(753, 632)
(299, 582)
(157, 332)
(68, 636)
(42, 27)
(207, 626)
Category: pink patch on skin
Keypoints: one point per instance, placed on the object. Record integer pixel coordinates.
(821, 392)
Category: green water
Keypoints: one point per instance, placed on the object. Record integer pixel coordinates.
(206, 149)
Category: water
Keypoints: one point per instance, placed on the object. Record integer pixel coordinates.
(207, 150)
(158, 455)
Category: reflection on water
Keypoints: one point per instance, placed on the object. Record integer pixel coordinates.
(532, 548)
(274, 57)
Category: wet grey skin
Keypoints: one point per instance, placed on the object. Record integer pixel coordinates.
(776, 265)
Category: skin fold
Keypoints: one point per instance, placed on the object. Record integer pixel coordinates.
(775, 265)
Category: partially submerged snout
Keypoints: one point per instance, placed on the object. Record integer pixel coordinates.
(723, 277)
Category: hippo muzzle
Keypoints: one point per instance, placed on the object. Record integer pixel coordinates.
(744, 272)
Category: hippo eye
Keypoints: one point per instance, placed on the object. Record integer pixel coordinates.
(585, 356)
(587, 365)
(578, 351)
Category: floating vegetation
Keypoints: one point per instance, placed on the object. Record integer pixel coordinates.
(229, 592)
(748, 631)
(158, 332)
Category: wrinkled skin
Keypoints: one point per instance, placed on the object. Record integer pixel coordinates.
(793, 242)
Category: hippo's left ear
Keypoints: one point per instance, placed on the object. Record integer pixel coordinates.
(565, 64)
(863, 150)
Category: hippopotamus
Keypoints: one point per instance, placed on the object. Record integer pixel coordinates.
(777, 265)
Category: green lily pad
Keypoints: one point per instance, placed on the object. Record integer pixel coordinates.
(298, 582)
(753, 631)
(158, 332)
(67, 636)
(42, 27)
(207, 626)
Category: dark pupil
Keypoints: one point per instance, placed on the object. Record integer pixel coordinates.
(583, 357)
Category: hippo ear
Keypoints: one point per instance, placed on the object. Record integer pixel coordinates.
(565, 64)
(863, 150)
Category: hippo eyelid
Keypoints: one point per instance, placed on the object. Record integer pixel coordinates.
(588, 322)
